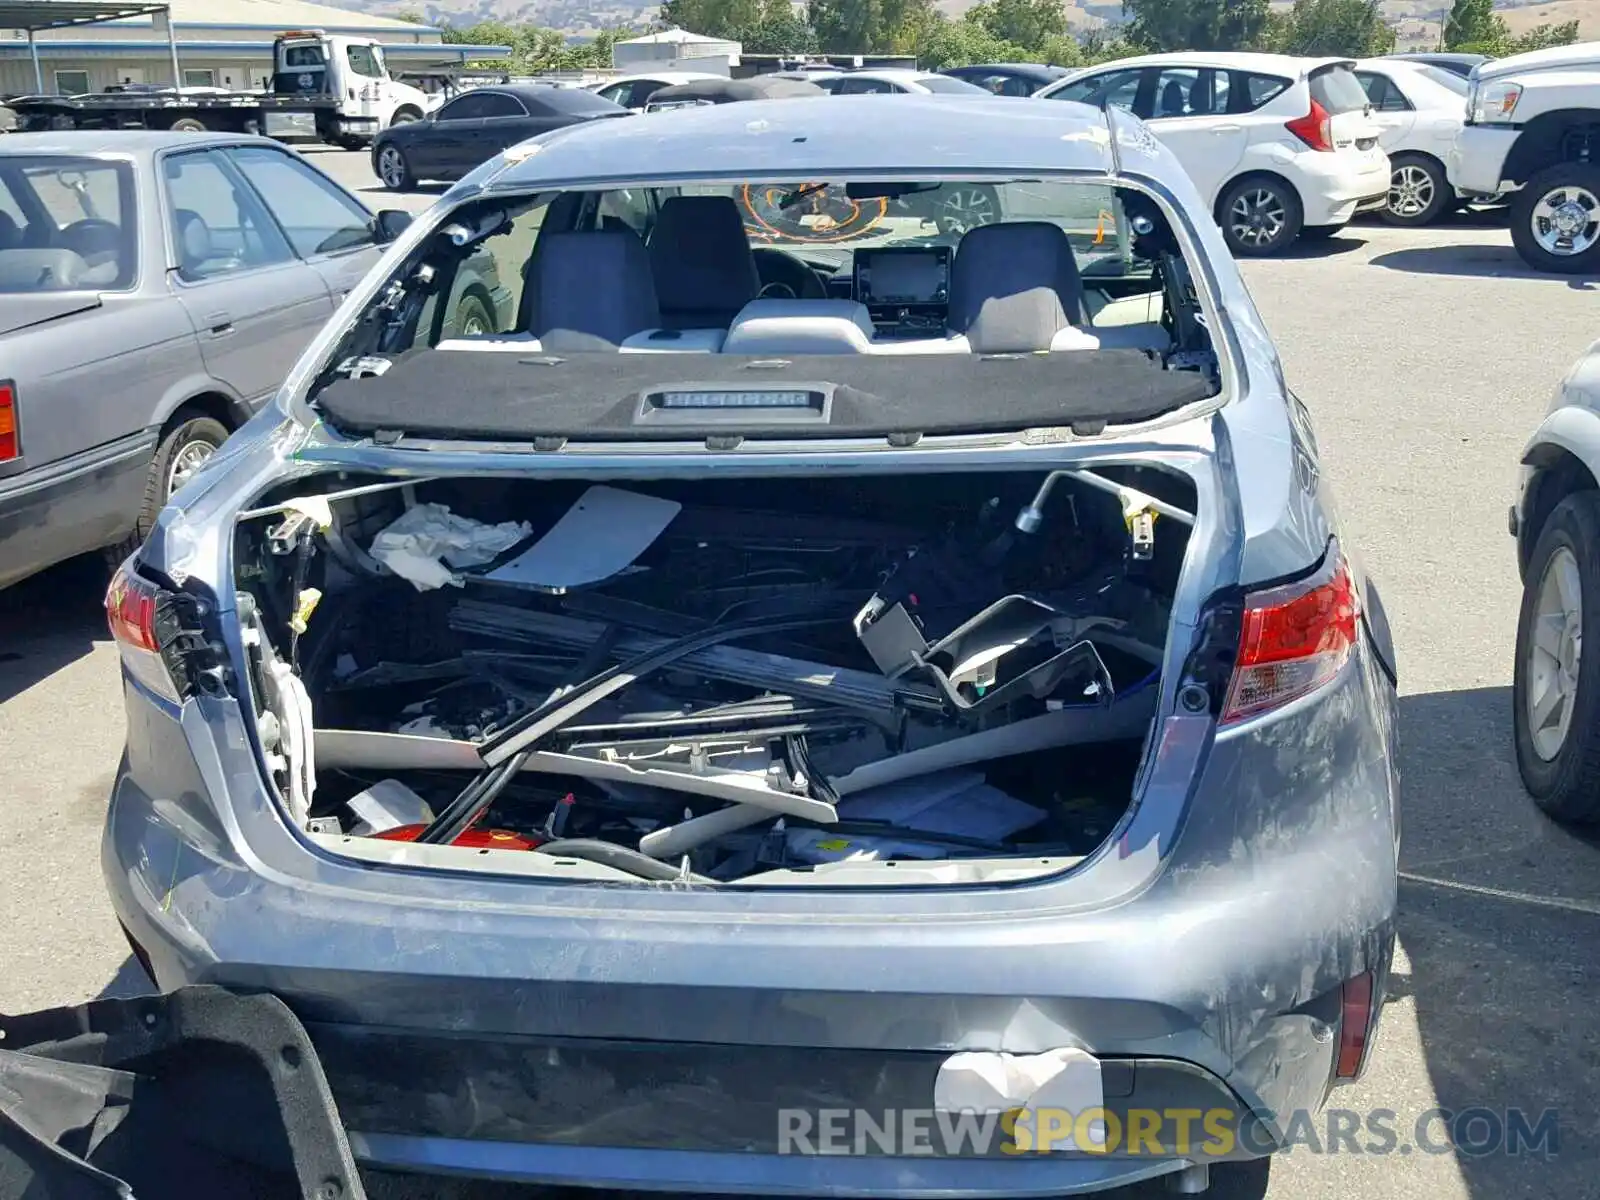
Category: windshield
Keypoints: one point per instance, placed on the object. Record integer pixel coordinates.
(1338, 90)
(944, 83)
(66, 224)
(363, 61)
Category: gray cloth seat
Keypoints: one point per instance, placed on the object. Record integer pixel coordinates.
(590, 290)
(195, 248)
(30, 270)
(1014, 286)
(700, 256)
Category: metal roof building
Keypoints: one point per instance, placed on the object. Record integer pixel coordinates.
(88, 45)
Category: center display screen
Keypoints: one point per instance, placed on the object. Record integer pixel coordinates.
(903, 275)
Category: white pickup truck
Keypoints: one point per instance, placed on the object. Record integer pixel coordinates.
(324, 88)
(1533, 130)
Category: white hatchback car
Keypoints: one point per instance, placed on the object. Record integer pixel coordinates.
(1280, 147)
(1420, 109)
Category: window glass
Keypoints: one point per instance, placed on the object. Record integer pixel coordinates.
(1262, 89)
(497, 104)
(1446, 79)
(1381, 91)
(72, 83)
(862, 87)
(630, 207)
(218, 226)
(303, 56)
(618, 93)
(363, 61)
(939, 83)
(199, 77)
(316, 215)
(1015, 85)
(485, 293)
(90, 234)
(463, 108)
(1190, 92)
(1338, 90)
(1110, 89)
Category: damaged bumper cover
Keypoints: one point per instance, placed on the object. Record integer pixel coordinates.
(703, 1012)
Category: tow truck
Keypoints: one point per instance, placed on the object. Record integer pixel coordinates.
(324, 88)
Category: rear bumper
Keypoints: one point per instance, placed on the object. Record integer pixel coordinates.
(1476, 162)
(1334, 187)
(70, 507)
(649, 1038)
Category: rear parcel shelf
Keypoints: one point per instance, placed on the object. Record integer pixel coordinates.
(619, 397)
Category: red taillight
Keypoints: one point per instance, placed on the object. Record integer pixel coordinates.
(131, 611)
(1315, 129)
(475, 839)
(1355, 1023)
(1294, 639)
(10, 439)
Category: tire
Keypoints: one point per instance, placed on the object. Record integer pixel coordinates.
(1419, 193)
(1559, 757)
(180, 445)
(188, 125)
(1319, 233)
(475, 316)
(967, 206)
(1559, 200)
(1271, 201)
(404, 117)
(393, 170)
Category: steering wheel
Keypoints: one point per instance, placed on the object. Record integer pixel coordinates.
(93, 240)
(783, 276)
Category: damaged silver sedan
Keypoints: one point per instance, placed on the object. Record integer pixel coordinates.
(799, 699)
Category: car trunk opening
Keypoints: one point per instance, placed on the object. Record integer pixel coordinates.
(799, 679)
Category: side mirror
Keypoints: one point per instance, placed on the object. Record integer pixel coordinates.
(390, 224)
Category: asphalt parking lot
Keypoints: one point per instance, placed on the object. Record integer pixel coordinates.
(1427, 358)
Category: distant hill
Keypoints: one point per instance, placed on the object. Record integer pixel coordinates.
(1419, 19)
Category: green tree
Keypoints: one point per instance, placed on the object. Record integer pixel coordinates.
(778, 29)
(1316, 28)
(1025, 23)
(1542, 37)
(942, 43)
(714, 18)
(1475, 28)
(1197, 24)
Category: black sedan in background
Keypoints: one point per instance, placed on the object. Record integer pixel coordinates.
(476, 126)
(1008, 79)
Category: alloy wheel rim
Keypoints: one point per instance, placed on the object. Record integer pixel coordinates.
(1411, 191)
(1566, 221)
(190, 457)
(967, 208)
(391, 167)
(1555, 651)
(1258, 217)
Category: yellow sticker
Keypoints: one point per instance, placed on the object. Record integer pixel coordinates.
(836, 844)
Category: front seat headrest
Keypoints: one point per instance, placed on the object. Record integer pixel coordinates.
(10, 232)
(194, 240)
(704, 269)
(590, 290)
(1014, 286)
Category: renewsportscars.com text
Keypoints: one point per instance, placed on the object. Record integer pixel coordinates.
(1165, 1133)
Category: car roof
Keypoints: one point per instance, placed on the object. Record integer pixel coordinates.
(910, 134)
(127, 143)
(1265, 64)
(724, 91)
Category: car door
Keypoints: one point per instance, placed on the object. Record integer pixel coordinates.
(441, 150)
(1188, 109)
(253, 304)
(505, 121)
(325, 226)
(1395, 114)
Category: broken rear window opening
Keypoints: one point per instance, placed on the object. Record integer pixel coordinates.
(779, 309)
(845, 680)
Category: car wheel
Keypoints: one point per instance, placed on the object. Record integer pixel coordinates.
(404, 117)
(188, 125)
(1555, 219)
(1260, 217)
(393, 169)
(966, 206)
(1556, 687)
(474, 318)
(1418, 191)
(182, 451)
